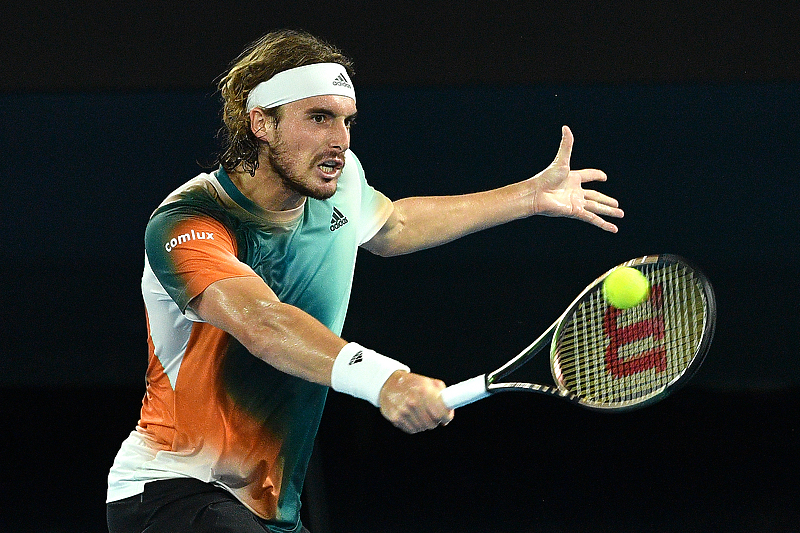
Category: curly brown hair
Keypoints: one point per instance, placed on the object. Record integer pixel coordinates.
(274, 52)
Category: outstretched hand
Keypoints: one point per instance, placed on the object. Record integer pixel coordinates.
(558, 191)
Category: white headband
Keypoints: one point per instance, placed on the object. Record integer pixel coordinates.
(297, 83)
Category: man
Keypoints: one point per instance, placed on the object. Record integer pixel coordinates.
(246, 283)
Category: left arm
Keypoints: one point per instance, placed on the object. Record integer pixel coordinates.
(424, 222)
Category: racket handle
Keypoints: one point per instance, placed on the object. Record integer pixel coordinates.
(465, 392)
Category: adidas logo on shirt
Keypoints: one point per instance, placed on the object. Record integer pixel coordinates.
(337, 220)
(341, 81)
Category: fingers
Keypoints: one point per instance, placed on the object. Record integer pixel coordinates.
(601, 223)
(426, 410)
(602, 209)
(599, 205)
(591, 174)
(600, 198)
(413, 403)
(416, 421)
(565, 148)
(590, 216)
(560, 191)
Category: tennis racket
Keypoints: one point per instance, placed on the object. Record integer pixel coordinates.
(605, 358)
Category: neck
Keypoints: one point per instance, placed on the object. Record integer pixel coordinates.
(266, 189)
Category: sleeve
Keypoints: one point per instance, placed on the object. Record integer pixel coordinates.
(375, 207)
(188, 251)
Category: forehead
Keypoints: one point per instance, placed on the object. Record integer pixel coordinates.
(336, 104)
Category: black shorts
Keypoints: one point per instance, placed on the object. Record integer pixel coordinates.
(182, 506)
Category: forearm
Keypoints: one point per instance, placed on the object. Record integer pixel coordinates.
(424, 222)
(296, 343)
(293, 342)
(281, 335)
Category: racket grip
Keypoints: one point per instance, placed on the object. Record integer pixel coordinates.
(466, 392)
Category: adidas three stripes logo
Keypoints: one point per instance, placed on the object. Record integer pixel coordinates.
(337, 220)
(341, 81)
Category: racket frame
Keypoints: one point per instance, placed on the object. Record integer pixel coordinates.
(492, 385)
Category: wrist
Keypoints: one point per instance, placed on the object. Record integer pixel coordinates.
(361, 372)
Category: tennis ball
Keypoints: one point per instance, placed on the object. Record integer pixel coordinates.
(625, 287)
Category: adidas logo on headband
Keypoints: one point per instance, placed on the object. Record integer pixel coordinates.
(341, 81)
(301, 82)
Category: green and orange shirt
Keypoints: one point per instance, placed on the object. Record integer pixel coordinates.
(213, 411)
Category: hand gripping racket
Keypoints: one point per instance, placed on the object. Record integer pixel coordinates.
(605, 358)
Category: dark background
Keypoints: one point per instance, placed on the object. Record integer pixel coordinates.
(692, 110)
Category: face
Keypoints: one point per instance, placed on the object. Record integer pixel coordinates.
(307, 146)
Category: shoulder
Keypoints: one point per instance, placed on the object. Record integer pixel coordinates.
(199, 194)
(353, 170)
(192, 209)
(351, 156)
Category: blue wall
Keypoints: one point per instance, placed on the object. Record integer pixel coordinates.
(705, 171)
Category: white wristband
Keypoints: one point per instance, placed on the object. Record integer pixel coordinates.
(360, 372)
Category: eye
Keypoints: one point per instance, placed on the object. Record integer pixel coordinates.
(319, 119)
(350, 122)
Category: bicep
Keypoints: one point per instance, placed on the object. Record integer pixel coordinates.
(233, 304)
(383, 242)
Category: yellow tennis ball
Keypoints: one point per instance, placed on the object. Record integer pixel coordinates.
(626, 287)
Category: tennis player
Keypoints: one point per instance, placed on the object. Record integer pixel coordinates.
(246, 282)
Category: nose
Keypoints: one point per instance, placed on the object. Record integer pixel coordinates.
(340, 135)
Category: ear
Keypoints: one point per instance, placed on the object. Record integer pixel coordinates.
(261, 124)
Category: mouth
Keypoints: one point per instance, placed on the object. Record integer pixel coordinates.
(331, 167)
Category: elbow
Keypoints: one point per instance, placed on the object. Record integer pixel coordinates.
(390, 241)
(271, 329)
(385, 250)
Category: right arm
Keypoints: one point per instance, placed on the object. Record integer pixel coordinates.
(296, 343)
(279, 334)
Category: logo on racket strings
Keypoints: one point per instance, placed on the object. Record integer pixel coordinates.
(653, 327)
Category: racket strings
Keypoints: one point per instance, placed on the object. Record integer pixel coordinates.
(608, 356)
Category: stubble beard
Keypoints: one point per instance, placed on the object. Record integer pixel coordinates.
(281, 163)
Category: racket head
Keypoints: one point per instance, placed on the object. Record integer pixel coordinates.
(609, 359)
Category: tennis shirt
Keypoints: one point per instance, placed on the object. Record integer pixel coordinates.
(212, 410)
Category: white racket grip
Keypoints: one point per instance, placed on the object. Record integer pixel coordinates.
(465, 392)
